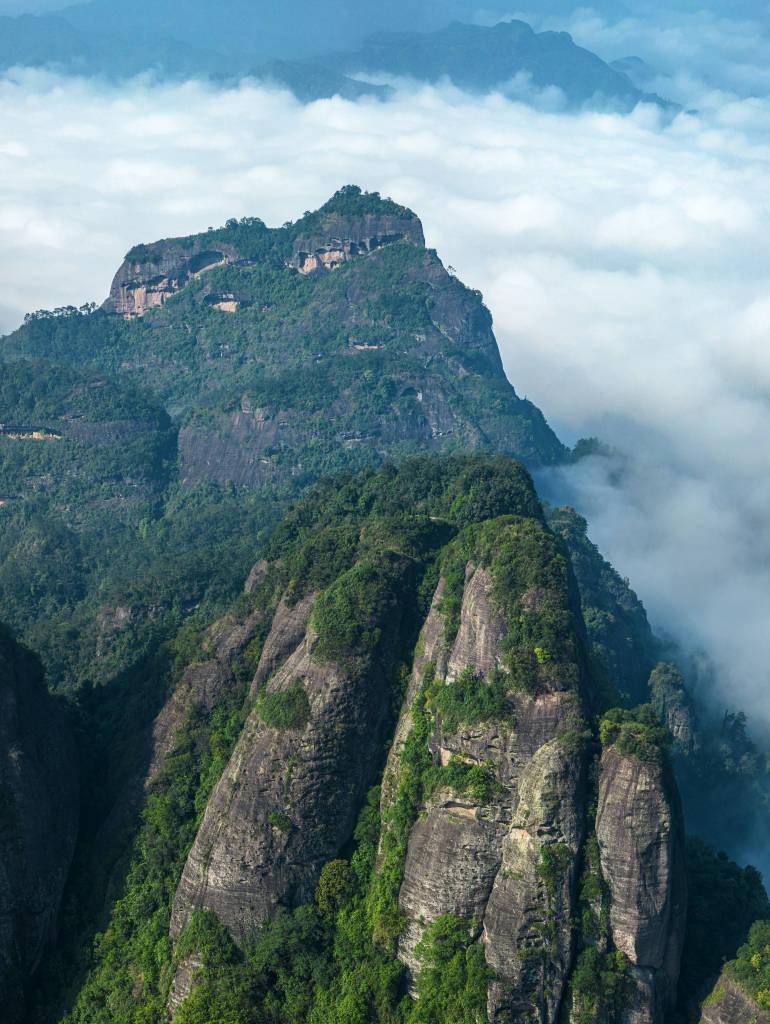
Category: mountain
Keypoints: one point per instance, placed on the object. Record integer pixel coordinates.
(509, 56)
(117, 42)
(51, 41)
(38, 819)
(247, 356)
(330, 343)
(422, 630)
(358, 719)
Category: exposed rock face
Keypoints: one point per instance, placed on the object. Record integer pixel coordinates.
(286, 634)
(674, 705)
(483, 861)
(640, 832)
(619, 633)
(150, 275)
(288, 800)
(202, 686)
(38, 820)
(340, 239)
(729, 1004)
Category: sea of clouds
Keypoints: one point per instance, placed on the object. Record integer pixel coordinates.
(626, 260)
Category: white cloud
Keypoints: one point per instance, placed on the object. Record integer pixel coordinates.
(626, 264)
(691, 51)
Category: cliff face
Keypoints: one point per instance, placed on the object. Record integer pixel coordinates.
(152, 274)
(288, 799)
(332, 343)
(729, 1004)
(484, 795)
(336, 239)
(504, 860)
(38, 820)
(640, 832)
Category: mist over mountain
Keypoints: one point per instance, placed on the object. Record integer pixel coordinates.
(427, 628)
(398, 569)
(99, 39)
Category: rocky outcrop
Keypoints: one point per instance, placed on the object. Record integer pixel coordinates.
(505, 863)
(152, 274)
(338, 239)
(288, 800)
(286, 634)
(38, 820)
(674, 704)
(729, 1004)
(282, 807)
(640, 833)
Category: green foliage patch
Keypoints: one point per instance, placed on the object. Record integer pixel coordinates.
(532, 589)
(469, 699)
(600, 986)
(286, 709)
(637, 733)
(751, 970)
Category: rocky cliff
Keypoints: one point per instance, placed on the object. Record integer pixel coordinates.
(729, 1004)
(150, 275)
(501, 856)
(331, 343)
(371, 793)
(38, 820)
(485, 792)
(640, 832)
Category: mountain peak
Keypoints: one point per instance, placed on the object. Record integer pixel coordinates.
(351, 224)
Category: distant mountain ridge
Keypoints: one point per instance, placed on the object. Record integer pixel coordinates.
(77, 41)
(482, 59)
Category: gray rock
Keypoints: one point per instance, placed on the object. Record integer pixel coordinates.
(482, 862)
(289, 798)
(729, 1004)
(640, 833)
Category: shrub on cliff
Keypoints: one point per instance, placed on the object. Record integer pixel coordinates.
(637, 733)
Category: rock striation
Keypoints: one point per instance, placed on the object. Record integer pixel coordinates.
(288, 800)
(640, 833)
(338, 239)
(486, 792)
(38, 820)
(506, 862)
(152, 274)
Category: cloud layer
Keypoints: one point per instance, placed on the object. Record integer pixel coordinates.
(626, 264)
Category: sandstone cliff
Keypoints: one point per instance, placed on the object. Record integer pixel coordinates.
(485, 793)
(501, 856)
(336, 239)
(38, 820)
(729, 1004)
(151, 274)
(640, 832)
(288, 800)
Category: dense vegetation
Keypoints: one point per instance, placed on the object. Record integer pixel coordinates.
(121, 543)
(752, 968)
(724, 900)
(180, 434)
(333, 961)
(637, 733)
